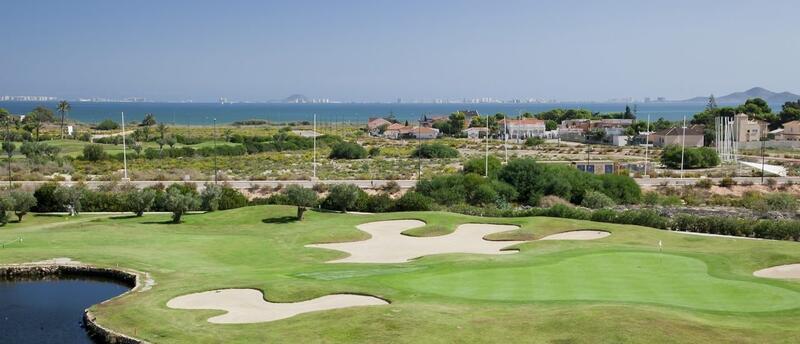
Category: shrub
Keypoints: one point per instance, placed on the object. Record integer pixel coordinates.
(727, 182)
(413, 201)
(348, 150)
(597, 200)
(693, 157)
(300, 197)
(380, 203)
(704, 183)
(534, 141)
(342, 197)
(320, 187)
(435, 151)
(621, 189)
(642, 217)
(93, 152)
(549, 201)
(108, 124)
(374, 152)
(478, 166)
(781, 202)
(391, 187)
(604, 215)
(46, 200)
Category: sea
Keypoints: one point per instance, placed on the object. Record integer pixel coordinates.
(205, 113)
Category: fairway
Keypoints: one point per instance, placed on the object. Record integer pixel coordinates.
(618, 289)
(664, 279)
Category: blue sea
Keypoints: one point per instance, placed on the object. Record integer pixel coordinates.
(204, 113)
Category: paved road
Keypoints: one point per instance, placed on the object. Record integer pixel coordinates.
(404, 184)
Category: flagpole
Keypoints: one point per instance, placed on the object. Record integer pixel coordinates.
(486, 163)
(315, 146)
(647, 145)
(505, 136)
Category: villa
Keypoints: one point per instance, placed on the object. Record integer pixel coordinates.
(695, 136)
(523, 128)
(791, 131)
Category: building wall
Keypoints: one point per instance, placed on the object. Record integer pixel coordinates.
(691, 140)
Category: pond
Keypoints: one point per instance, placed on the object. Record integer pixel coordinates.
(50, 310)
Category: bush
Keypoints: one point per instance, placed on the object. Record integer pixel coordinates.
(342, 197)
(209, 198)
(781, 202)
(380, 203)
(46, 200)
(704, 183)
(727, 182)
(435, 151)
(94, 152)
(478, 166)
(534, 141)
(621, 189)
(374, 152)
(70, 198)
(597, 200)
(693, 157)
(413, 201)
(348, 150)
(107, 124)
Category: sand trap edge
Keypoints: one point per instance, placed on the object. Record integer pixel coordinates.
(786, 271)
(591, 234)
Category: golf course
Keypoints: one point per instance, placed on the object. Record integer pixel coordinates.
(257, 274)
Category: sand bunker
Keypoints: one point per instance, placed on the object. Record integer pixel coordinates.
(791, 271)
(577, 235)
(245, 306)
(388, 245)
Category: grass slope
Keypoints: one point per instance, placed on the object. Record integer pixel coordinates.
(618, 289)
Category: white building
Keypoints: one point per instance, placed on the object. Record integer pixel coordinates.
(523, 128)
(424, 133)
(476, 132)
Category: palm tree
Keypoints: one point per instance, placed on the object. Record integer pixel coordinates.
(63, 108)
(149, 119)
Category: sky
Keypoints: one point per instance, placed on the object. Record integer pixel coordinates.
(383, 50)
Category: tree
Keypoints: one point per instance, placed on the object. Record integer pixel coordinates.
(300, 197)
(693, 157)
(179, 202)
(210, 197)
(107, 124)
(70, 198)
(63, 108)
(140, 201)
(343, 197)
(712, 103)
(33, 124)
(149, 120)
(790, 111)
(550, 125)
(21, 203)
(171, 141)
(348, 150)
(628, 113)
(93, 152)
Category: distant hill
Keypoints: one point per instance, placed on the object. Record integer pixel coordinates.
(755, 92)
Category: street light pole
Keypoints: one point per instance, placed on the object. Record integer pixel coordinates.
(647, 145)
(216, 171)
(683, 144)
(486, 161)
(124, 154)
(314, 134)
(419, 150)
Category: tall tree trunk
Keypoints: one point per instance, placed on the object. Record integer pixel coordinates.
(300, 213)
(62, 125)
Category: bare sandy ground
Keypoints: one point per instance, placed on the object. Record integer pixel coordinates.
(388, 245)
(245, 306)
(791, 271)
(577, 235)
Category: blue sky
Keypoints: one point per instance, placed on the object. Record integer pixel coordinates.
(381, 50)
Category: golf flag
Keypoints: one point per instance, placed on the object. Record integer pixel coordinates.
(659, 245)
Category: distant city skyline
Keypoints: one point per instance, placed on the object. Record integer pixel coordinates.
(381, 51)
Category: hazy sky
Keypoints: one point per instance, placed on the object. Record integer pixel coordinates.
(381, 50)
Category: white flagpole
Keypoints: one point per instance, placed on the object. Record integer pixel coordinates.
(505, 136)
(486, 163)
(315, 146)
(683, 144)
(124, 154)
(647, 145)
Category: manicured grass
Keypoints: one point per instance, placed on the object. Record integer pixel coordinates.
(614, 290)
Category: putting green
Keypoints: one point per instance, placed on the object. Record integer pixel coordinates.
(635, 277)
